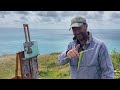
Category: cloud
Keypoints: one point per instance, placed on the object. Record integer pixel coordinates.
(47, 14)
(101, 12)
(60, 18)
(115, 15)
(95, 15)
(17, 21)
(45, 19)
(4, 13)
(23, 18)
(73, 13)
(41, 13)
(22, 12)
(83, 13)
(2, 16)
(67, 13)
(52, 14)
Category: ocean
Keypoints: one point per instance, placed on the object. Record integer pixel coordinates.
(52, 40)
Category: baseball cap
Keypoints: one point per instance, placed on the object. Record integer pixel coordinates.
(77, 22)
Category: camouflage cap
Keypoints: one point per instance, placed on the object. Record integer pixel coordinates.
(77, 22)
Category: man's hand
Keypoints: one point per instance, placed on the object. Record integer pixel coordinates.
(73, 53)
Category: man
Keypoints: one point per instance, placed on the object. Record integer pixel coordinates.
(88, 57)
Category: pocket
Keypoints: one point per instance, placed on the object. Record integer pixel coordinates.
(92, 72)
(88, 72)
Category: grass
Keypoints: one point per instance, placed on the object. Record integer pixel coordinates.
(115, 56)
(48, 66)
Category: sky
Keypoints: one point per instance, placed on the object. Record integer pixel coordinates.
(59, 19)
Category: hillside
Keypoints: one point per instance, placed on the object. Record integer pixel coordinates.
(48, 66)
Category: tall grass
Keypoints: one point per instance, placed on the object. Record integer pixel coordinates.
(115, 56)
(48, 66)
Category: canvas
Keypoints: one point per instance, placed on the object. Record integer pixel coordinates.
(31, 49)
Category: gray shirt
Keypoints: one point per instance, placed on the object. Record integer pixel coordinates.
(94, 64)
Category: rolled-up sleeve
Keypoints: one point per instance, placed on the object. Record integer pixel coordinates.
(107, 70)
(62, 58)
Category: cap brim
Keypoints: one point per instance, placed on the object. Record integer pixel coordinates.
(76, 25)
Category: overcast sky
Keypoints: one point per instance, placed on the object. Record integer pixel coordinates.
(59, 19)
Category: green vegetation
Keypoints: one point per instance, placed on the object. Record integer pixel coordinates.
(48, 66)
(115, 56)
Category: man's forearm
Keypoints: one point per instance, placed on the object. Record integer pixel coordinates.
(63, 59)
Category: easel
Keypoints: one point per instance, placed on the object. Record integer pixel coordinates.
(28, 66)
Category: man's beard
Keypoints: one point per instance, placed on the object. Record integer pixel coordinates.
(81, 36)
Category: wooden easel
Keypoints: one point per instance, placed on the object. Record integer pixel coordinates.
(27, 33)
(28, 67)
(19, 57)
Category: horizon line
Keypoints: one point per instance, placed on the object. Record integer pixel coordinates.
(56, 28)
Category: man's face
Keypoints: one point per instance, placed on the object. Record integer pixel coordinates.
(80, 32)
